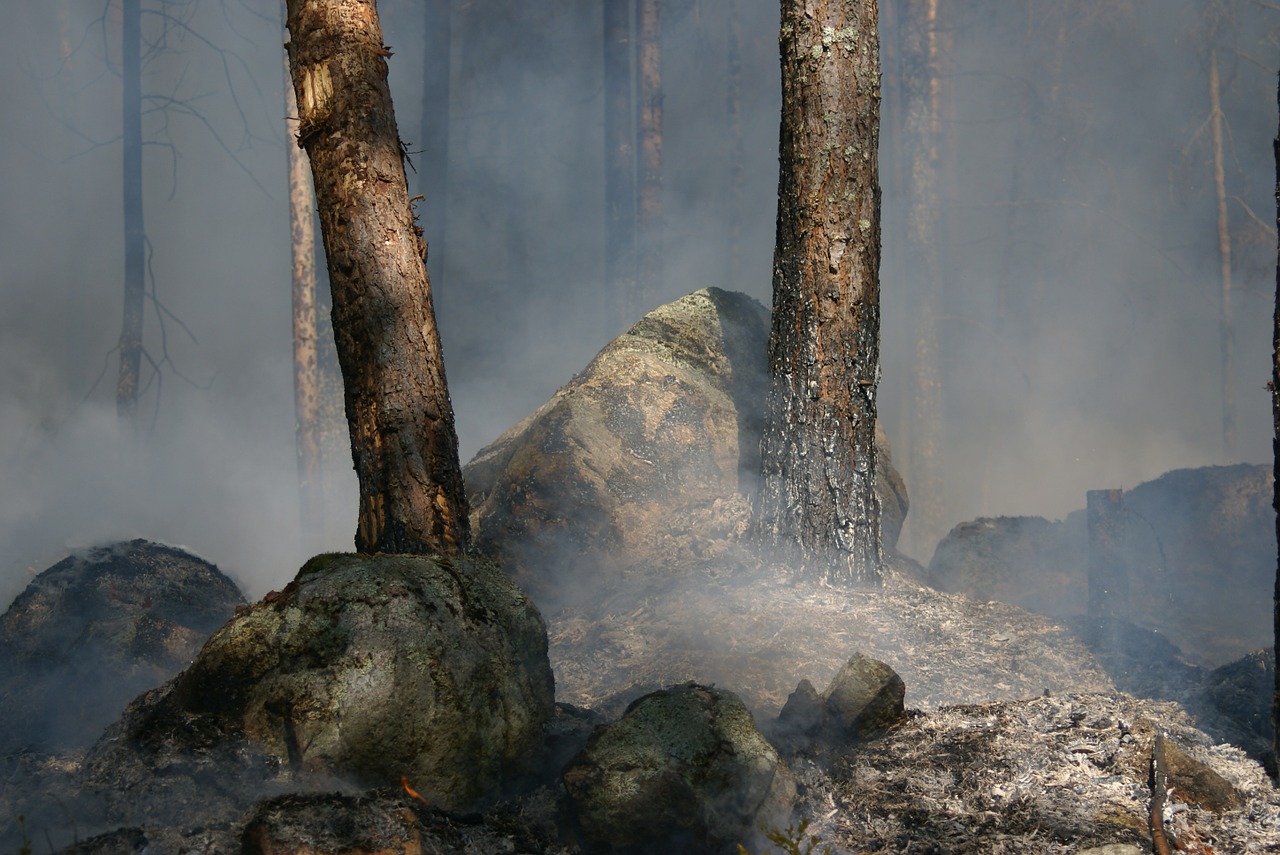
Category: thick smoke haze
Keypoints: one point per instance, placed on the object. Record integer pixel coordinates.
(1077, 328)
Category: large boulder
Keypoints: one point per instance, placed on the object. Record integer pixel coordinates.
(363, 670)
(684, 769)
(645, 460)
(93, 631)
(1197, 548)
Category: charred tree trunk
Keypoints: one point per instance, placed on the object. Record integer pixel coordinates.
(818, 450)
(619, 160)
(306, 366)
(649, 126)
(403, 440)
(434, 166)
(128, 383)
(1275, 450)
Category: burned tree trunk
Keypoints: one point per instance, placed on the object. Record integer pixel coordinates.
(818, 453)
(1275, 450)
(403, 440)
(129, 382)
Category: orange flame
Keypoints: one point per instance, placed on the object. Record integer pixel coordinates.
(404, 782)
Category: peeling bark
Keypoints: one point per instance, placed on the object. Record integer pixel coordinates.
(818, 451)
(403, 440)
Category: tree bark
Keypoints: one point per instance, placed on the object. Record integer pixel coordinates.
(128, 383)
(403, 441)
(649, 271)
(619, 160)
(818, 451)
(306, 368)
(1275, 452)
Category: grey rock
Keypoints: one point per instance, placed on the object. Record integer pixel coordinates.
(94, 630)
(644, 461)
(331, 822)
(684, 768)
(865, 698)
(364, 669)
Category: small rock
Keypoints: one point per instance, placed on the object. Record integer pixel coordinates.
(865, 698)
(331, 823)
(1195, 783)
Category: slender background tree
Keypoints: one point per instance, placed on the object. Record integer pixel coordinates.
(306, 361)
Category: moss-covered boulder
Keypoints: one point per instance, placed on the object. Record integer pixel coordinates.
(684, 769)
(363, 670)
(645, 460)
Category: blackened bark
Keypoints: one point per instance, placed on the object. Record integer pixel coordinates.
(818, 453)
(1275, 450)
(403, 440)
(127, 385)
(619, 160)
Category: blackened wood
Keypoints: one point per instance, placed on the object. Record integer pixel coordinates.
(818, 452)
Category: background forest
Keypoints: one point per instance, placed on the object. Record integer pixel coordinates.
(1052, 284)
